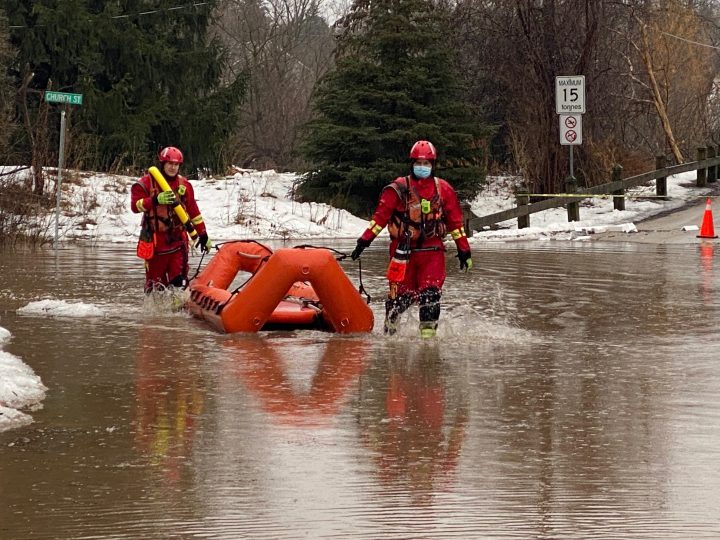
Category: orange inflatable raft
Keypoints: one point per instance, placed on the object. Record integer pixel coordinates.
(289, 288)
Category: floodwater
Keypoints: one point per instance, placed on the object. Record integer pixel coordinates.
(573, 392)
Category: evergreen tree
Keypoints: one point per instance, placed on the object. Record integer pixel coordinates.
(395, 82)
(150, 75)
(7, 124)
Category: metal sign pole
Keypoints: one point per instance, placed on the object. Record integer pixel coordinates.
(67, 99)
(572, 174)
(61, 159)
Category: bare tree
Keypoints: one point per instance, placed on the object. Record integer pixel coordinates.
(516, 48)
(6, 90)
(36, 131)
(286, 47)
(680, 73)
(648, 79)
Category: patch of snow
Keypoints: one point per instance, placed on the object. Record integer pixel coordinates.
(20, 389)
(61, 308)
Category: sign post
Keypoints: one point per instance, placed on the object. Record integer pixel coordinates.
(68, 99)
(571, 134)
(570, 105)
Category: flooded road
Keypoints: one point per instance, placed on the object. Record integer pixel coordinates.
(572, 393)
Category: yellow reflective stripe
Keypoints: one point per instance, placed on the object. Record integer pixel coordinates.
(140, 206)
(197, 219)
(458, 233)
(374, 227)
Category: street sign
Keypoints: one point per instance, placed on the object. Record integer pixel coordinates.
(70, 99)
(570, 94)
(63, 97)
(571, 129)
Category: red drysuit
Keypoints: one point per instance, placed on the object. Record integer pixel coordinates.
(421, 212)
(169, 262)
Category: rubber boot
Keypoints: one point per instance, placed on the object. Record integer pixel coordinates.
(429, 300)
(176, 288)
(428, 329)
(394, 307)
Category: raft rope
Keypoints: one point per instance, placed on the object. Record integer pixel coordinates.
(197, 271)
(340, 258)
(361, 288)
(216, 246)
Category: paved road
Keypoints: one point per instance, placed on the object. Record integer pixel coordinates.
(667, 227)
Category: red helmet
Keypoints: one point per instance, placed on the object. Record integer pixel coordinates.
(423, 150)
(170, 154)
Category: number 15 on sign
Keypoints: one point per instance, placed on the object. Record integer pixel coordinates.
(570, 94)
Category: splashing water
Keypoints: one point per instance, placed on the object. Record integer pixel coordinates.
(165, 301)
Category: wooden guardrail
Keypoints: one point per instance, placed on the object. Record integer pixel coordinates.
(706, 167)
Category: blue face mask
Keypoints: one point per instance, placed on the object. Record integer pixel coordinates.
(421, 171)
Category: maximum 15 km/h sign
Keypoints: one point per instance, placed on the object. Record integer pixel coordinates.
(570, 94)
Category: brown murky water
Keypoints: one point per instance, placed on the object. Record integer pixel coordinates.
(572, 393)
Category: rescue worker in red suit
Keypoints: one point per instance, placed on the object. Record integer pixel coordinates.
(167, 263)
(419, 210)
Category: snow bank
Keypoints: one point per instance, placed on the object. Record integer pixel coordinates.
(20, 389)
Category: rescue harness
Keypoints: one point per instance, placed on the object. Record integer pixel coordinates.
(421, 218)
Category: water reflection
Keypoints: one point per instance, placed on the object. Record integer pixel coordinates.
(413, 421)
(264, 369)
(169, 398)
(572, 394)
(707, 254)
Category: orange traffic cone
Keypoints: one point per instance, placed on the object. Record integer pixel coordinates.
(707, 229)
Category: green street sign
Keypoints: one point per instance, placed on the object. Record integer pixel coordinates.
(63, 97)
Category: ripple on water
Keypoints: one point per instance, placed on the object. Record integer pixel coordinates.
(571, 392)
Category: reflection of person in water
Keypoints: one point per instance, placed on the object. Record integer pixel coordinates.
(259, 364)
(169, 398)
(413, 423)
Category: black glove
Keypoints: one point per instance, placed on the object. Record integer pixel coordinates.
(204, 243)
(361, 245)
(465, 261)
